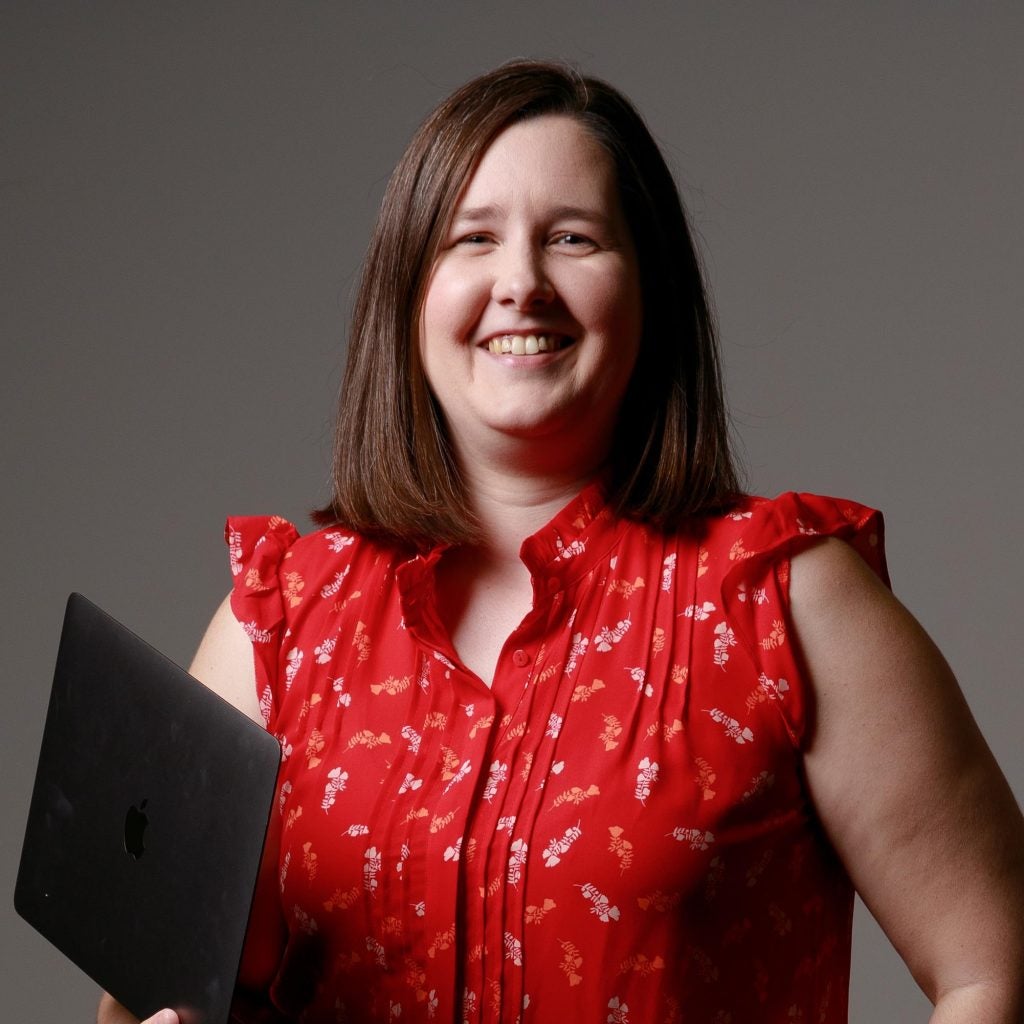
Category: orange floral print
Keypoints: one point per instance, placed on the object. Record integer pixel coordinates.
(292, 589)
(572, 963)
(777, 636)
(622, 848)
(615, 823)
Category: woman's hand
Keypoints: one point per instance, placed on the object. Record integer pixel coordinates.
(112, 1012)
(244, 1007)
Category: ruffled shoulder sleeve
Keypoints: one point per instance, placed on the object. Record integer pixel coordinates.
(257, 547)
(755, 586)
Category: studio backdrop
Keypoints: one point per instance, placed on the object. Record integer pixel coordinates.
(186, 196)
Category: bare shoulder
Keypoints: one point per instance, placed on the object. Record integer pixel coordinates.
(849, 624)
(872, 666)
(224, 662)
(830, 576)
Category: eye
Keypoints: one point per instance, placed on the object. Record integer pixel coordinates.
(574, 241)
(477, 238)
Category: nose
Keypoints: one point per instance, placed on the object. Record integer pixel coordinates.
(521, 279)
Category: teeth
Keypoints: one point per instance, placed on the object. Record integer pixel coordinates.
(528, 345)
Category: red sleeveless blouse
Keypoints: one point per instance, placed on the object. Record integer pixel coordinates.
(617, 830)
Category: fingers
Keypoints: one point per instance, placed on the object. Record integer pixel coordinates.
(110, 1011)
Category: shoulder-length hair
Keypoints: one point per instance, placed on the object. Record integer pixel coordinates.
(394, 473)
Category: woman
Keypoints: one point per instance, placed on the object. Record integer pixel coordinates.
(570, 724)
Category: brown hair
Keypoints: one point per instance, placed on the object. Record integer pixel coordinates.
(394, 474)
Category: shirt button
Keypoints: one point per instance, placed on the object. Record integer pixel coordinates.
(520, 658)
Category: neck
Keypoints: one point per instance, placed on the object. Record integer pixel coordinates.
(510, 506)
(515, 485)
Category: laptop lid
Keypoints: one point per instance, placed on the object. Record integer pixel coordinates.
(147, 822)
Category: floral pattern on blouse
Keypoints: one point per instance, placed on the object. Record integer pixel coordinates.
(617, 830)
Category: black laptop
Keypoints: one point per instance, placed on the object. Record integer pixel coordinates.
(147, 822)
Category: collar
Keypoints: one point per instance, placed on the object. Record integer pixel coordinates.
(559, 553)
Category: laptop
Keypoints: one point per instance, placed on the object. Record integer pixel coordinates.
(147, 823)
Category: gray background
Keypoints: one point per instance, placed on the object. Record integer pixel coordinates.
(186, 194)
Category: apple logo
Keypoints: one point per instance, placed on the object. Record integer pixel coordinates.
(135, 823)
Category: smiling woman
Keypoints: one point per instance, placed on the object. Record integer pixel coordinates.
(572, 726)
(519, 263)
(604, 177)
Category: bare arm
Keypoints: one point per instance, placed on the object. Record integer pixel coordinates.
(224, 662)
(909, 793)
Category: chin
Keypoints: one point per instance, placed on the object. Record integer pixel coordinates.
(533, 426)
(563, 430)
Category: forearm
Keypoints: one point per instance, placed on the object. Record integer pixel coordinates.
(981, 1003)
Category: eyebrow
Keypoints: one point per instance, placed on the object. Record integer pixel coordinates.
(475, 214)
(579, 213)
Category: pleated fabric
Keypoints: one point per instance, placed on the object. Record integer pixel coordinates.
(616, 830)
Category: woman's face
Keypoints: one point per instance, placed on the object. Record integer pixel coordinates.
(531, 323)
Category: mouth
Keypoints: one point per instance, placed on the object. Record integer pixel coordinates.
(527, 344)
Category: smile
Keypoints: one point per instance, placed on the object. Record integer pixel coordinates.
(526, 345)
